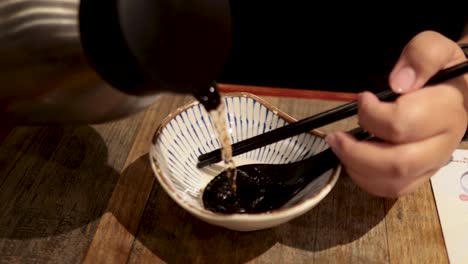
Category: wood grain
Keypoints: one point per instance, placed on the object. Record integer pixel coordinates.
(87, 194)
(348, 226)
(115, 234)
(55, 183)
(413, 229)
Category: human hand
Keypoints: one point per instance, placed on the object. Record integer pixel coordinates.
(419, 131)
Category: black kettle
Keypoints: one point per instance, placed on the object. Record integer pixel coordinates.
(92, 61)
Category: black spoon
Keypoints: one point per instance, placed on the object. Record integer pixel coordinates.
(265, 187)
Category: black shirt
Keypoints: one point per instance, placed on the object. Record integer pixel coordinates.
(327, 46)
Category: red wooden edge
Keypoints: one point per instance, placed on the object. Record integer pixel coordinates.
(286, 92)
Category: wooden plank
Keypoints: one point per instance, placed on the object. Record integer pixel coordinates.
(115, 234)
(87, 194)
(168, 234)
(350, 220)
(411, 217)
(413, 229)
(55, 184)
(337, 230)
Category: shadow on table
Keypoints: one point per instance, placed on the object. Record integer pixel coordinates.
(173, 235)
(346, 214)
(53, 180)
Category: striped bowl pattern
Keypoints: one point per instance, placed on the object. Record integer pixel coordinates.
(190, 132)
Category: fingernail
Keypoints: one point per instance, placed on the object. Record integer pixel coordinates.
(404, 79)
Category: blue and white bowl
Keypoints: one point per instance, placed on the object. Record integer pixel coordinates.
(189, 132)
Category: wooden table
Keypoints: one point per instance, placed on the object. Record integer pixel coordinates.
(74, 194)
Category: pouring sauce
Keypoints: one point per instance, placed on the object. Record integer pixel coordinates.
(244, 189)
(211, 101)
(222, 194)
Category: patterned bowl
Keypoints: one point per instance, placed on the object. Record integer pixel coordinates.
(189, 132)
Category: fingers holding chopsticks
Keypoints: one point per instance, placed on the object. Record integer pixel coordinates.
(418, 134)
(415, 116)
(391, 170)
(419, 131)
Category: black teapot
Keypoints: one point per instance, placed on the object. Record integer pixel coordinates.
(91, 61)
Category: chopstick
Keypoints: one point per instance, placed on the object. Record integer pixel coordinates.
(318, 120)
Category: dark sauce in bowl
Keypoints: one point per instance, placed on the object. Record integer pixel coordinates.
(252, 188)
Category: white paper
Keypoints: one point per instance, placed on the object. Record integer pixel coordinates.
(450, 186)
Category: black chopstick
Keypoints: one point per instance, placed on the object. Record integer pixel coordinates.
(318, 120)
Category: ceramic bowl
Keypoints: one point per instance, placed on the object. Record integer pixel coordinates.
(189, 132)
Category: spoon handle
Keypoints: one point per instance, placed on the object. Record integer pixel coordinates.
(314, 166)
(358, 133)
(318, 120)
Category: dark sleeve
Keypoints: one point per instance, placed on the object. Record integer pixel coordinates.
(282, 44)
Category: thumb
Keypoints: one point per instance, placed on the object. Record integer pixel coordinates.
(423, 56)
